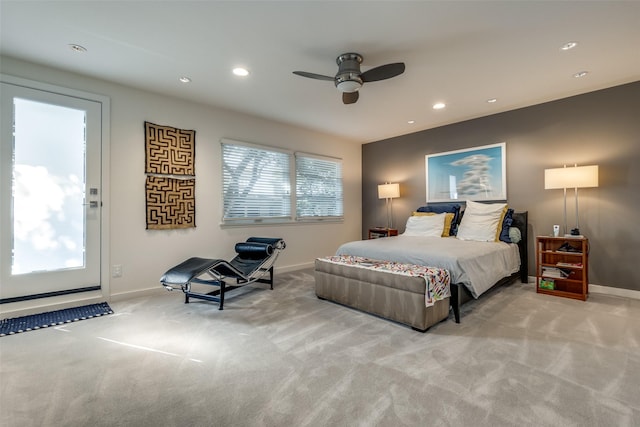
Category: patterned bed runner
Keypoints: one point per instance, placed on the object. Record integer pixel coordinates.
(437, 280)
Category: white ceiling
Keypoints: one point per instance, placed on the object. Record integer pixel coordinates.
(457, 52)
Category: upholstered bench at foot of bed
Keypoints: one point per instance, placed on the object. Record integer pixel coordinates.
(392, 296)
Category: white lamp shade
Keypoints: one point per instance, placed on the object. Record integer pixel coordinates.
(388, 191)
(571, 177)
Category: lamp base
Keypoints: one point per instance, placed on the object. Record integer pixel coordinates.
(575, 233)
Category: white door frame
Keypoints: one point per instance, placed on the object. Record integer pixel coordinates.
(70, 300)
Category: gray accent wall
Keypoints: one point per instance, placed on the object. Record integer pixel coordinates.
(598, 128)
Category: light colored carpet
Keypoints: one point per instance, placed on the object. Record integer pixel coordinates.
(285, 358)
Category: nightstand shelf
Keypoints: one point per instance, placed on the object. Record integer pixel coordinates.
(560, 272)
(378, 232)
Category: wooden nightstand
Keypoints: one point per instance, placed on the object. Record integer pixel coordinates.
(562, 272)
(377, 232)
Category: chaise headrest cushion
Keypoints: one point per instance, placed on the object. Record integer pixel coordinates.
(254, 250)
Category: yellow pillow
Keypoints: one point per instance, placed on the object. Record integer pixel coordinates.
(504, 212)
(447, 221)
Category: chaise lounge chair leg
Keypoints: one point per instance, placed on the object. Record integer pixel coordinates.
(271, 277)
(222, 289)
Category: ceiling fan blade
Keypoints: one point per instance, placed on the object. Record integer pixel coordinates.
(350, 97)
(383, 72)
(313, 75)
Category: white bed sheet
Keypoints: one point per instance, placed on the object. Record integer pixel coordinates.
(477, 265)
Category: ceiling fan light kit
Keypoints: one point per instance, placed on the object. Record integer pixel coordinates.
(349, 86)
(349, 79)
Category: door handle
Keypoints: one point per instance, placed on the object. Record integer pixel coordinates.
(91, 204)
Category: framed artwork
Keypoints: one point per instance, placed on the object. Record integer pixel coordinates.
(169, 150)
(170, 182)
(476, 174)
(171, 202)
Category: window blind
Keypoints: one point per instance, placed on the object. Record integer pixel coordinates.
(318, 187)
(256, 183)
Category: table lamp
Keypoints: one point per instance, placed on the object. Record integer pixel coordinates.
(571, 177)
(389, 192)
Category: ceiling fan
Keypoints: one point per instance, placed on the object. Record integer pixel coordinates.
(349, 79)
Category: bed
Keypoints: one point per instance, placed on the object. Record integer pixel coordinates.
(475, 267)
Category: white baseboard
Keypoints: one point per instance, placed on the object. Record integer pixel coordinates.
(618, 292)
(296, 267)
(605, 290)
(138, 293)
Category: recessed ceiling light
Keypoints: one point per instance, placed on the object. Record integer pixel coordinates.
(242, 72)
(580, 74)
(492, 100)
(411, 122)
(439, 105)
(184, 79)
(77, 48)
(569, 45)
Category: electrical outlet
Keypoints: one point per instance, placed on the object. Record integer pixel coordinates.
(116, 270)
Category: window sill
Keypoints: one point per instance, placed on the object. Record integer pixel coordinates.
(272, 222)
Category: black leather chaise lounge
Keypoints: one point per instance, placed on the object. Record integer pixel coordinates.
(254, 259)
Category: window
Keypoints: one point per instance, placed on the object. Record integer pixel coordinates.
(318, 187)
(257, 183)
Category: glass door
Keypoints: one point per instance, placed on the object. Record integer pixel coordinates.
(50, 203)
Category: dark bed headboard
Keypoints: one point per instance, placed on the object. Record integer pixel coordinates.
(520, 220)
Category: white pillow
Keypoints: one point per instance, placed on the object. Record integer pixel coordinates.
(480, 221)
(427, 225)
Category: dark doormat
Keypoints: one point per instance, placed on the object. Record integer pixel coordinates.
(52, 318)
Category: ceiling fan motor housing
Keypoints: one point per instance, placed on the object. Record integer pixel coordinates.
(348, 79)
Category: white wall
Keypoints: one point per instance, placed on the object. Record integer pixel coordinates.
(146, 254)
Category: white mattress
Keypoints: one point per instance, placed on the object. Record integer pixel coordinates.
(477, 265)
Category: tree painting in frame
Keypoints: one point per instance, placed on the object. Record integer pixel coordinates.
(476, 174)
